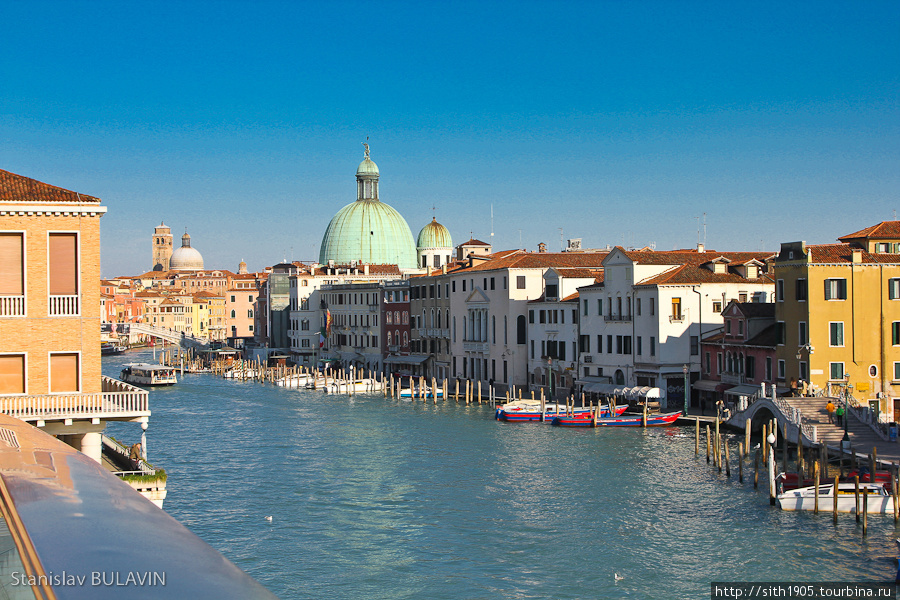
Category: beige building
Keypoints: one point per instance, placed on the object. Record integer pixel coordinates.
(50, 315)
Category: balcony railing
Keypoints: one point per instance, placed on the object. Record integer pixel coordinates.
(676, 318)
(12, 306)
(118, 399)
(476, 346)
(617, 318)
(65, 306)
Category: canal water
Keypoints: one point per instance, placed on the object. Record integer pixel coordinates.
(379, 498)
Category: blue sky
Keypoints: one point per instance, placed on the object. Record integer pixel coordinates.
(617, 122)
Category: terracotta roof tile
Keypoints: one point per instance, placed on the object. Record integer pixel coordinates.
(843, 253)
(17, 188)
(883, 230)
(539, 260)
(695, 274)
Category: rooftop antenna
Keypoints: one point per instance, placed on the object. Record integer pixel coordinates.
(895, 214)
(492, 219)
(704, 229)
(520, 238)
(698, 231)
(560, 238)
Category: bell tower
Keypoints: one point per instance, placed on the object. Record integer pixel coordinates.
(162, 247)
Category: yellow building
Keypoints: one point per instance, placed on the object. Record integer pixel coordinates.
(838, 310)
(50, 315)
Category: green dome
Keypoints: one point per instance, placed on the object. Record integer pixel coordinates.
(371, 232)
(434, 235)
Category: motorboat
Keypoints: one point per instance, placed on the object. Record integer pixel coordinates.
(530, 410)
(879, 500)
(656, 420)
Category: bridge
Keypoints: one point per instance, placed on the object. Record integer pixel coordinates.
(174, 337)
(809, 415)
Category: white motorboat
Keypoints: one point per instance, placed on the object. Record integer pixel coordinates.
(879, 500)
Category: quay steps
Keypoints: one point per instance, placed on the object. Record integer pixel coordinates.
(862, 438)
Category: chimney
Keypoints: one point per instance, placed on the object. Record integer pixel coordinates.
(856, 257)
(701, 249)
(366, 268)
(444, 269)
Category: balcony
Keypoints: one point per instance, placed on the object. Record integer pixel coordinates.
(732, 378)
(617, 318)
(117, 400)
(12, 306)
(676, 318)
(476, 347)
(65, 306)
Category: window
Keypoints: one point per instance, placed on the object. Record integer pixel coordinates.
(250, 298)
(542, 316)
(521, 330)
(388, 319)
(63, 269)
(652, 346)
(781, 370)
(249, 314)
(233, 314)
(64, 373)
(232, 299)
(779, 333)
(801, 290)
(609, 344)
(695, 345)
(707, 362)
(637, 306)
(520, 282)
(639, 339)
(676, 308)
(768, 368)
(552, 290)
(532, 349)
(728, 326)
(464, 289)
(836, 370)
(802, 335)
(836, 334)
(719, 362)
(750, 368)
(740, 327)
(717, 306)
(895, 333)
(12, 374)
(652, 306)
(599, 344)
(835, 289)
(894, 289)
(599, 306)
(584, 304)
(626, 344)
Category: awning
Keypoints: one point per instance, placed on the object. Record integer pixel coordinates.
(705, 384)
(641, 392)
(744, 390)
(606, 389)
(405, 360)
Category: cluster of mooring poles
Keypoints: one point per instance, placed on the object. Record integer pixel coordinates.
(817, 463)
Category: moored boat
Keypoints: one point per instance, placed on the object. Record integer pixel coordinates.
(659, 420)
(107, 349)
(526, 410)
(148, 374)
(408, 393)
(879, 500)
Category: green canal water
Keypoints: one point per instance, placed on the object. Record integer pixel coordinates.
(374, 498)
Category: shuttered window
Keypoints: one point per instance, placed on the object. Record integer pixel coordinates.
(63, 373)
(63, 264)
(12, 278)
(12, 374)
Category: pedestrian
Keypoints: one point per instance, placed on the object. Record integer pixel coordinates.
(135, 456)
(793, 388)
(829, 408)
(839, 415)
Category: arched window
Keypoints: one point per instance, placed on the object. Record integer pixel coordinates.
(388, 338)
(405, 339)
(387, 318)
(493, 329)
(397, 335)
(233, 315)
(397, 316)
(250, 314)
(620, 377)
(521, 330)
(465, 331)
(432, 318)
(405, 318)
(438, 319)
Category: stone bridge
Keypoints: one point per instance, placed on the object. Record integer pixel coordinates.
(174, 337)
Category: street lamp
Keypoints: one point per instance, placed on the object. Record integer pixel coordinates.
(845, 441)
(684, 370)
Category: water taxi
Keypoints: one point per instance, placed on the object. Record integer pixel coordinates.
(147, 374)
(528, 410)
(657, 420)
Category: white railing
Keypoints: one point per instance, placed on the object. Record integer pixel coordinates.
(65, 306)
(117, 399)
(12, 306)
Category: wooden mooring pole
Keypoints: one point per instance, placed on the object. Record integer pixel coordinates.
(740, 462)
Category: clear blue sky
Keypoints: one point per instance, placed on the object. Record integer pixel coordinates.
(615, 121)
